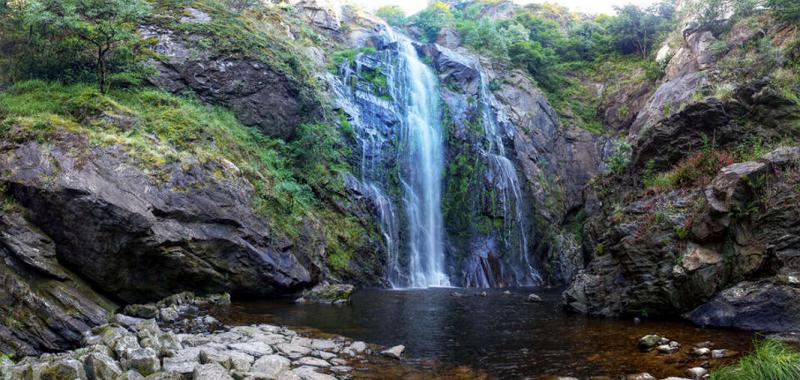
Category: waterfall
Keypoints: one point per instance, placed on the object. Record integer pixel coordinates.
(414, 87)
(514, 220)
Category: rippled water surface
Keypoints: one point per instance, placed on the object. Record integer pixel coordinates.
(500, 334)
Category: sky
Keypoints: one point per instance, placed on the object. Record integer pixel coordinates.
(585, 6)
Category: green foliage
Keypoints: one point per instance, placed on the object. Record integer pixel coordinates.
(786, 10)
(698, 169)
(293, 182)
(681, 232)
(634, 30)
(771, 359)
(433, 18)
(621, 158)
(74, 36)
(392, 14)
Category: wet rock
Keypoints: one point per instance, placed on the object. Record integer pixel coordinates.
(456, 294)
(101, 367)
(640, 376)
(534, 298)
(701, 351)
(211, 372)
(341, 369)
(328, 293)
(649, 341)
(697, 372)
(358, 347)
(760, 305)
(667, 349)
(395, 352)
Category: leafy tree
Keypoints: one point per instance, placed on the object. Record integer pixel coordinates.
(102, 27)
(433, 18)
(786, 10)
(393, 14)
(634, 29)
(538, 60)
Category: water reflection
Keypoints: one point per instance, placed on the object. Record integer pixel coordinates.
(501, 333)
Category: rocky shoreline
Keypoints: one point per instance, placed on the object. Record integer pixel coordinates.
(133, 348)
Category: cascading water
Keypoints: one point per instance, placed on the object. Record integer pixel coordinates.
(414, 87)
(515, 223)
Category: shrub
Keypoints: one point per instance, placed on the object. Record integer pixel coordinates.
(771, 360)
(621, 157)
(696, 170)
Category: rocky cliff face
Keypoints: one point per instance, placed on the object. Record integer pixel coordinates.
(719, 249)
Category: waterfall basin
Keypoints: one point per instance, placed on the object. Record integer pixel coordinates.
(499, 335)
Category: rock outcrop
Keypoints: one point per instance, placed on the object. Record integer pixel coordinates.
(260, 94)
(44, 306)
(672, 252)
(141, 238)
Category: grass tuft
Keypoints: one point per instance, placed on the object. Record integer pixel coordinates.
(771, 360)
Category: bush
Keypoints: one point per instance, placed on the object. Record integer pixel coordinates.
(771, 360)
(621, 157)
(696, 170)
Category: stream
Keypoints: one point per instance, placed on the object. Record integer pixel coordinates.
(499, 334)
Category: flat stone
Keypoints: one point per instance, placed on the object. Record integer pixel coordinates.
(271, 365)
(341, 369)
(702, 351)
(394, 352)
(640, 376)
(313, 362)
(534, 298)
(300, 341)
(324, 355)
(324, 345)
(257, 349)
(310, 373)
(289, 349)
(338, 362)
(211, 372)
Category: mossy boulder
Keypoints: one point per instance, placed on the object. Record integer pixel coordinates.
(328, 293)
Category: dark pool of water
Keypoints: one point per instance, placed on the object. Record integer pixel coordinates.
(500, 333)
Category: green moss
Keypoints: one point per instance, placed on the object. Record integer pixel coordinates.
(286, 176)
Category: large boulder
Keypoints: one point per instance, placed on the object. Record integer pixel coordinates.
(142, 238)
(759, 305)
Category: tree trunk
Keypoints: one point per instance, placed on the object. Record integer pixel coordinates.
(101, 69)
